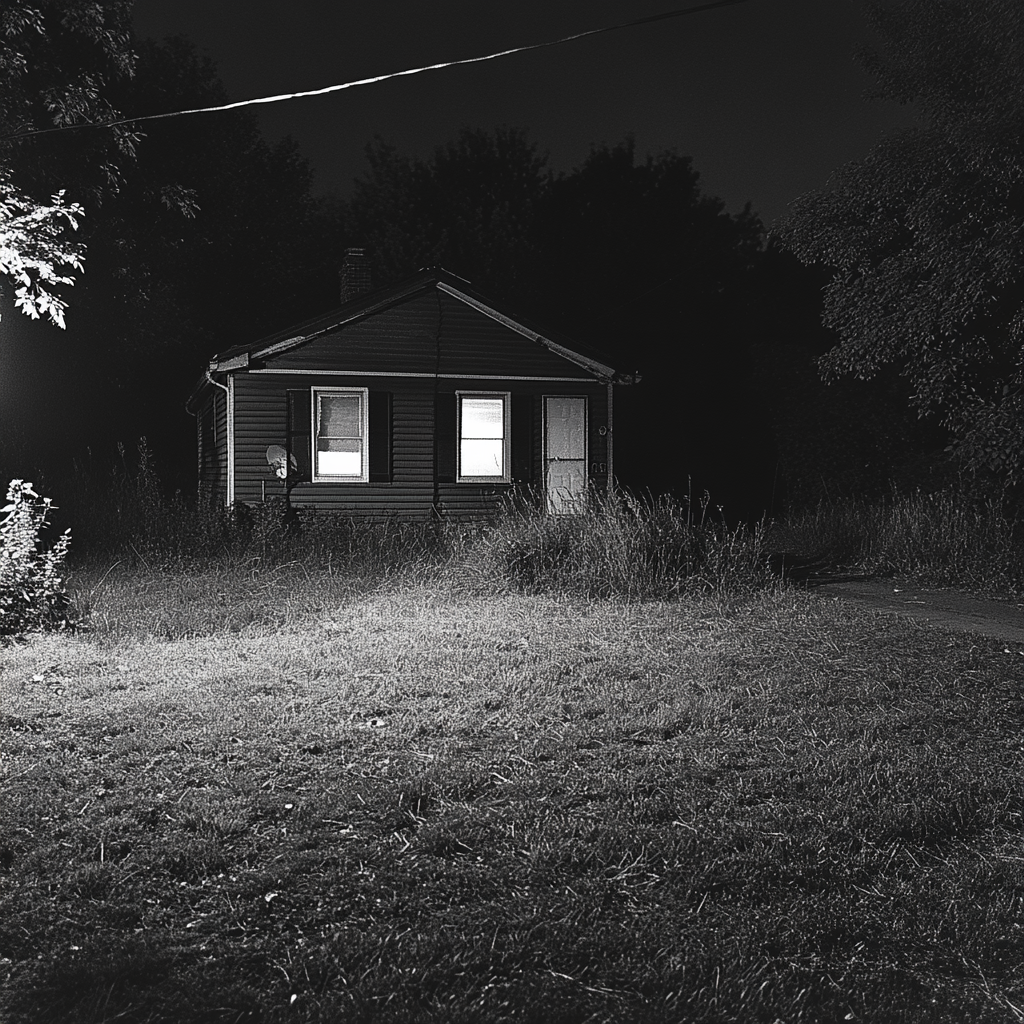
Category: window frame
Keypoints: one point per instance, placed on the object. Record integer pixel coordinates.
(364, 425)
(506, 438)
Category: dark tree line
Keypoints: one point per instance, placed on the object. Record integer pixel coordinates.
(629, 255)
(200, 234)
(923, 238)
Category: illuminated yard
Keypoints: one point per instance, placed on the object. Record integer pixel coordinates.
(413, 805)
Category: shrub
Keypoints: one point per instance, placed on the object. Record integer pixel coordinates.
(32, 586)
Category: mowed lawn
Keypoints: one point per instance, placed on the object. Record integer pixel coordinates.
(287, 801)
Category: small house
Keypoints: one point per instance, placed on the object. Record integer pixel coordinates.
(418, 399)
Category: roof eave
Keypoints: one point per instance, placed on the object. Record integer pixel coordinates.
(600, 370)
(239, 362)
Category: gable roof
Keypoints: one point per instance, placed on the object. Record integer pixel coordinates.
(239, 356)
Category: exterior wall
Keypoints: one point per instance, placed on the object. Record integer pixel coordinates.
(262, 419)
(458, 499)
(473, 343)
(400, 339)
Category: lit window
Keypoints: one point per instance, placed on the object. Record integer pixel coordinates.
(483, 437)
(339, 434)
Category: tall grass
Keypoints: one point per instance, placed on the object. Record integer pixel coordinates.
(122, 514)
(615, 545)
(947, 538)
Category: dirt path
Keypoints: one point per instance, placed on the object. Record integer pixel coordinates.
(949, 609)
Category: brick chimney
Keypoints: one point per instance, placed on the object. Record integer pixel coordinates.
(355, 274)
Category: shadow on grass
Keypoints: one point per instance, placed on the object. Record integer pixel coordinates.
(135, 980)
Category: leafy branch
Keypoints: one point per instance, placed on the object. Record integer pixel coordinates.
(36, 252)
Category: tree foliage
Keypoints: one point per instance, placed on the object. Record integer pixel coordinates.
(636, 240)
(35, 252)
(248, 257)
(471, 208)
(255, 252)
(924, 237)
(59, 60)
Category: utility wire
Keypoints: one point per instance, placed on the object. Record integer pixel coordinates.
(664, 16)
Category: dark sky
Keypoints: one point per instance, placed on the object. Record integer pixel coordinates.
(764, 95)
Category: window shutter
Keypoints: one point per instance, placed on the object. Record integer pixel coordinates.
(380, 437)
(444, 437)
(522, 440)
(299, 425)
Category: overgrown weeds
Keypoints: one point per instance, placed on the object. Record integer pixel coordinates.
(617, 545)
(123, 515)
(947, 538)
(614, 545)
(33, 594)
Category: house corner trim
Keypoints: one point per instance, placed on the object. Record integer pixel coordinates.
(610, 481)
(231, 439)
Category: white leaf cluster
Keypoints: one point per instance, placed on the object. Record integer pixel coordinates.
(36, 252)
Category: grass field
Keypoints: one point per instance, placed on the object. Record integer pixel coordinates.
(287, 797)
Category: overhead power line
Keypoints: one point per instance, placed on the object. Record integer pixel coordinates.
(664, 16)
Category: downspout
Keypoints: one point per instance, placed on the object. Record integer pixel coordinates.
(610, 482)
(229, 391)
(436, 498)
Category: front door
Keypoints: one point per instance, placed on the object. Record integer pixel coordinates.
(565, 453)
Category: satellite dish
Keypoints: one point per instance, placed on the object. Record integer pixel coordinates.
(281, 462)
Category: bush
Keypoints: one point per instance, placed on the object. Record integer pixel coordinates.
(32, 586)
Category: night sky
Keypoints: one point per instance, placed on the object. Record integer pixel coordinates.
(764, 95)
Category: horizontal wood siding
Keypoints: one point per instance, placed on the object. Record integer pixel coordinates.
(401, 339)
(473, 500)
(405, 339)
(261, 403)
(204, 448)
(261, 419)
(472, 342)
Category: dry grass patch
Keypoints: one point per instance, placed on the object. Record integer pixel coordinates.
(410, 805)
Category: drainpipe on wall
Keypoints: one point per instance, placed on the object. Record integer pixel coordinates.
(436, 499)
(229, 391)
(610, 484)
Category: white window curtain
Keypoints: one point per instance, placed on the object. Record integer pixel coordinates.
(341, 435)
